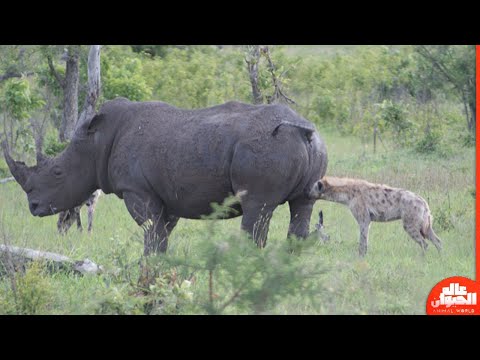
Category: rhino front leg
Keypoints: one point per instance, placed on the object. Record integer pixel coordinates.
(300, 213)
(151, 214)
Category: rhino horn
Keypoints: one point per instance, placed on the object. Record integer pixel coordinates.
(19, 170)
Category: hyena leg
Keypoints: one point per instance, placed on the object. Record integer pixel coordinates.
(413, 230)
(434, 238)
(364, 227)
(65, 220)
(76, 213)
(90, 211)
(91, 205)
(363, 220)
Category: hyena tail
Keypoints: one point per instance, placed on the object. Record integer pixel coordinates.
(430, 234)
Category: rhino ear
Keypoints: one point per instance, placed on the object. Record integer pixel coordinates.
(89, 127)
(93, 124)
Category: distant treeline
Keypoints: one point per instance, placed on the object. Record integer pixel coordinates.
(420, 96)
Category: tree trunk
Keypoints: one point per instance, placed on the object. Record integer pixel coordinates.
(93, 91)
(470, 111)
(473, 117)
(252, 63)
(70, 93)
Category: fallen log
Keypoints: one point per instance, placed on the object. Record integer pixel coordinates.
(15, 258)
(4, 181)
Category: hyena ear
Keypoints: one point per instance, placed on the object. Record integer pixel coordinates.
(320, 217)
(320, 186)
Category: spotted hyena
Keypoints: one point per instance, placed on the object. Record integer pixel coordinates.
(68, 217)
(374, 202)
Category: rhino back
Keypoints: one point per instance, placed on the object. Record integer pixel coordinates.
(185, 156)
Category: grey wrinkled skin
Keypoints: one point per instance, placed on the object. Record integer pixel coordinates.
(168, 163)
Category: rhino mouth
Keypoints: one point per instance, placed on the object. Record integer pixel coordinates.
(38, 210)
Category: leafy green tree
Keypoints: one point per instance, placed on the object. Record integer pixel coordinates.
(18, 102)
(198, 77)
(122, 75)
(455, 64)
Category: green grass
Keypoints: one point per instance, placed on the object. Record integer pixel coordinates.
(392, 279)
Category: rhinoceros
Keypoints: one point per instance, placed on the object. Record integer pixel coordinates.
(168, 163)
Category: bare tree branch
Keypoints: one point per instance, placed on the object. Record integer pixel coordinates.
(53, 71)
(425, 52)
(10, 75)
(18, 72)
(278, 94)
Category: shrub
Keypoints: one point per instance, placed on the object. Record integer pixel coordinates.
(53, 146)
(30, 293)
(443, 218)
(234, 276)
(468, 139)
(430, 143)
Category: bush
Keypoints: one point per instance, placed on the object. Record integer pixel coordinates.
(30, 292)
(237, 277)
(198, 78)
(53, 146)
(4, 171)
(122, 75)
(443, 218)
(468, 139)
(430, 143)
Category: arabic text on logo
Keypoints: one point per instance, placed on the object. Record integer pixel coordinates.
(454, 296)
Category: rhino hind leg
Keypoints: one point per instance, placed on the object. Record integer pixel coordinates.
(256, 221)
(300, 213)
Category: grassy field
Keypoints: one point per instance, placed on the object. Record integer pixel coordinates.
(393, 278)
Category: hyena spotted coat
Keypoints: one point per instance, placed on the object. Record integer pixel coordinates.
(375, 202)
(68, 217)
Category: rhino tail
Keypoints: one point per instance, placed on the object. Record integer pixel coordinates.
(306, 130)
